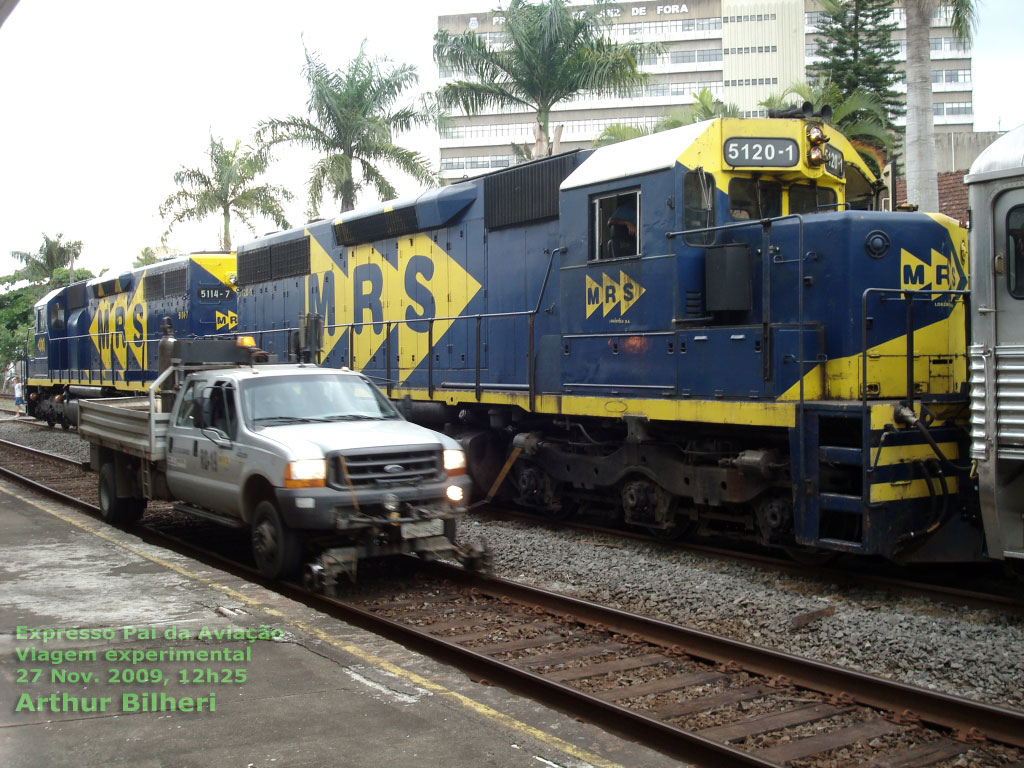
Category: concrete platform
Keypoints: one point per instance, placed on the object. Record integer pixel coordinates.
(321, 693)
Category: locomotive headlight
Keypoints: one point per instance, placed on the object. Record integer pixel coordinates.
(305, 473)
(815, 156)
(455, 462)
(815, 135)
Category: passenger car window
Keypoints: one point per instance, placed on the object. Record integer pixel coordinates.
(1015, 251)
(616, 225)
(698, 206)
(754, 199)
(807, 198)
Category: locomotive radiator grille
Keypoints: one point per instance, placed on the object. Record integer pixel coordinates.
(1008, 391)
(383, 468)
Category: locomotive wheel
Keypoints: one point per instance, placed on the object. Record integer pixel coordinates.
(276, 548)
(117, 510)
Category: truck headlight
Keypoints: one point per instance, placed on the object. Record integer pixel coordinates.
(455, 462)
(305, 473)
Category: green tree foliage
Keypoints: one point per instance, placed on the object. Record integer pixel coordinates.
(352, 122)
(551, 52)
(860, 116)
(17, 330)
(858, 51)
(226, 188)
(146, 257)
(52, 255)
(705, 107)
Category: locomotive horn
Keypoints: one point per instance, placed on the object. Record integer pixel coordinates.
(805, 111)
(825, 113)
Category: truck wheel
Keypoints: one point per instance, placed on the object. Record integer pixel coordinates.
(117, 510)
(275, 547)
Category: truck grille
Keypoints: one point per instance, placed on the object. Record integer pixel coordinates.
(383, 468)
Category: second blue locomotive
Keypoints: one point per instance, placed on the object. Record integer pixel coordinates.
(99, 337)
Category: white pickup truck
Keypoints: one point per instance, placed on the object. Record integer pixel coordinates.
(316, 462)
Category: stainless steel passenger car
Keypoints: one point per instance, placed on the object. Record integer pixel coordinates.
(996, 194)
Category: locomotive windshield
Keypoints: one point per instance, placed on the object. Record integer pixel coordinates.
(810, 198)
(290, 399)
(754, 199)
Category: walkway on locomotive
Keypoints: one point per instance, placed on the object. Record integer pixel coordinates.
(104, 332)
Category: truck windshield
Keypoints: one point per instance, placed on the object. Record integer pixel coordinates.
(276, 400)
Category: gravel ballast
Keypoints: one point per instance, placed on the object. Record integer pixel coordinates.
(979, 654)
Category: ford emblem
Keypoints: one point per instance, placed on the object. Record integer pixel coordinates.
(393, 469)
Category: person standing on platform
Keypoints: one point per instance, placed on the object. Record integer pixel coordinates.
(19, 398)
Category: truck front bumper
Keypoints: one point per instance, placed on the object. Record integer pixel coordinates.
(320, 509)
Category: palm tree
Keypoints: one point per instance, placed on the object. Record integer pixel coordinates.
(53, 255)
(352, 122)
(146, 257)
(225, 189)
(922, 174)
(705, 108)
(860, 117)
(551, 52)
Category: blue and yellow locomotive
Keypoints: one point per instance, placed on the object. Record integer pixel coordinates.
(98, 338)
(711, 328)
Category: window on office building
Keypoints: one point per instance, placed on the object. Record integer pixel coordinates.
(814, 19)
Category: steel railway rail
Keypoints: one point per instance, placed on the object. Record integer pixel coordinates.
(693, 695)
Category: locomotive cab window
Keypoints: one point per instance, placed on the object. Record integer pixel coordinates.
(1015, 251)
(56, 317)
(698, 206)
(810, 198)
(615, 220)
(754, 199)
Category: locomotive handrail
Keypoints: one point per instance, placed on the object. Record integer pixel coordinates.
(904, 294)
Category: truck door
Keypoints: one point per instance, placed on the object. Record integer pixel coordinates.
(183, 442)
(219, 463)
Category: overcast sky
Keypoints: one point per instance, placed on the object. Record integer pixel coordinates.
(101, 102)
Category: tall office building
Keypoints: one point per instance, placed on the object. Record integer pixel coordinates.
(741, 50)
